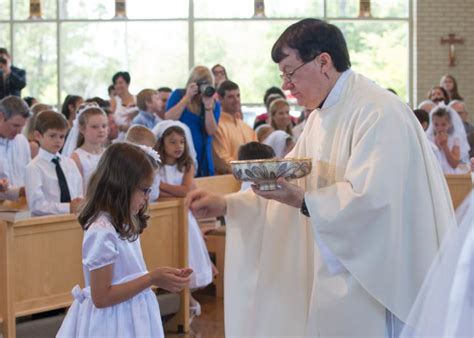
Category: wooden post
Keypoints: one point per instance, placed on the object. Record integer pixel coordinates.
(120, 9)
(7, 291)
(259, 9)
(35, 10)
(364, 9)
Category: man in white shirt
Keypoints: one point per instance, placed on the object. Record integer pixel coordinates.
(53, 182)
(15, 151)
(343, 251)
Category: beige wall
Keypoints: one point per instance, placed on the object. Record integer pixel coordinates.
(432, 20)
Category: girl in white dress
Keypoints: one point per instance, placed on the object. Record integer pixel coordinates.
(176, 173)
(92, 124)
(117, 300)
(447, 132)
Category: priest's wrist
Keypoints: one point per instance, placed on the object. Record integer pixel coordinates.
(304, 210)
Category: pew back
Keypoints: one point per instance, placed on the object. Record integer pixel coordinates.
(40, 260)
(459, 187)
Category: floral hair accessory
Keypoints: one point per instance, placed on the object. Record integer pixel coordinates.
(151, 152)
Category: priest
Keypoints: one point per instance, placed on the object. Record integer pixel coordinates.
(343, 251)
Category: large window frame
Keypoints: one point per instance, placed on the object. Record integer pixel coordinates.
(191, 21)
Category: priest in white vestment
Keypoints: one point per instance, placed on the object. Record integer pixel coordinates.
(343, 251)
(15, 151)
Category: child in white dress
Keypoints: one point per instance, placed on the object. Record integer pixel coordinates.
(177, 172)
(447, 132)
(92, 127)
(117, 300)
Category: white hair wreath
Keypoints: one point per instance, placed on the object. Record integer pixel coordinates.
(151, 152)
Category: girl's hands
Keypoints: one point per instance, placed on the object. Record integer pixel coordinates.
(441, 139)
(171, 279)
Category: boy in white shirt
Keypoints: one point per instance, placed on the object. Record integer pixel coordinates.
(53, 182)
(14, 148)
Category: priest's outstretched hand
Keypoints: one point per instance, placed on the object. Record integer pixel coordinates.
(205, 204)
(289, 194)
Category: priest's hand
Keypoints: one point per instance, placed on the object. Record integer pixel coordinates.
(205, 204)
(289, 194)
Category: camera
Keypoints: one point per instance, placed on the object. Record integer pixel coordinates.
(205, 88)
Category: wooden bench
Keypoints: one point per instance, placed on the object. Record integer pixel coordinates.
(40, 261)
(215, 241)
(459, 187)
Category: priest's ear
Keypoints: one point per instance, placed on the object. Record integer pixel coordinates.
(324, 59)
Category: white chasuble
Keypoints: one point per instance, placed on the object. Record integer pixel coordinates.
(379, 208)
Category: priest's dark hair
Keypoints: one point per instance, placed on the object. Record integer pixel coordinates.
(311, 37)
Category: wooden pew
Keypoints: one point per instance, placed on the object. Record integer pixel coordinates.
(215, 241)
(459, 187)
(40, 261)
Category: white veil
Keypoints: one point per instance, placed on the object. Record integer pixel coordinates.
(459, 132)
(445, 305)
(160, 128)
(71, 141)
(277, 140)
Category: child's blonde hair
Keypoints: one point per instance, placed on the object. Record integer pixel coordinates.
(83, 118)
(141, 135)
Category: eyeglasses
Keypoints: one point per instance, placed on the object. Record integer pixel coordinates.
(287, 76)
(146, 191)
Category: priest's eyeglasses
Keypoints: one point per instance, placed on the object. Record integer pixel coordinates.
(286, 77)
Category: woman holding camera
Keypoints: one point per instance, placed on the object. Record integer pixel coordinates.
(196, 107)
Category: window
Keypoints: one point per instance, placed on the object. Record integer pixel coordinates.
(79, 51)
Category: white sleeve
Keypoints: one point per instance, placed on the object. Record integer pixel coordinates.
(37, 203)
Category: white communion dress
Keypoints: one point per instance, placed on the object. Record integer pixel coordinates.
(89, 163)
(138, 316)
(199, 259)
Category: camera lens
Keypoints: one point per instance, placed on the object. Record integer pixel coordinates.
(205, 88)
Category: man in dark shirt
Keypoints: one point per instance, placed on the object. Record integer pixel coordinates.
(12, 79)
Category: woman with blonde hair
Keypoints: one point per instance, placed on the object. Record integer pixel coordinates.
(280, 116)
(196, 107)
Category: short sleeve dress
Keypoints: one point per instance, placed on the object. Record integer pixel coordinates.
(138, 316)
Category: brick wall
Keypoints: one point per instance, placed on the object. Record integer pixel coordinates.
(432, 20)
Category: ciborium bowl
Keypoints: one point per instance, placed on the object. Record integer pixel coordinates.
(264, 173)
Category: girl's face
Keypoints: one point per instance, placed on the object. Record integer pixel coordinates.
(448, 84)
(120, 86)
(140, 197)
(282, 118)
(96, 129)
(441, 124)
(174, 145)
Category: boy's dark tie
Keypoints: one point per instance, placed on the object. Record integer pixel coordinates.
(65, 195)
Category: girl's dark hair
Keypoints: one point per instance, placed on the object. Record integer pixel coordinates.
(123, 75)
(185, 162)
(311, 37)
(122, 169)
(69, 100)
(83, 118)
